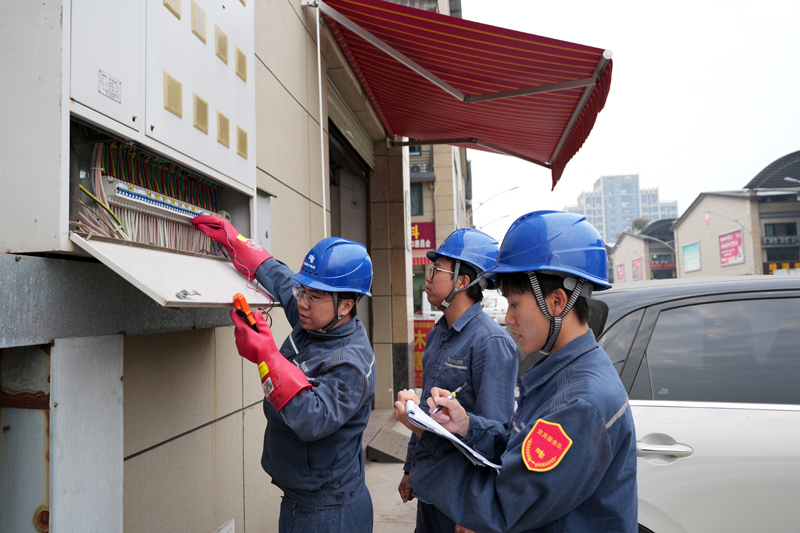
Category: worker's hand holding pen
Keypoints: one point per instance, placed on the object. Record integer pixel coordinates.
(451, 416)
(450, 397)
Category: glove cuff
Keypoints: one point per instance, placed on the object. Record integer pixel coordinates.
(282, 382)
(246, 254)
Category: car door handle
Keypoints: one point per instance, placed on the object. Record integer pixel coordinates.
(644, 449)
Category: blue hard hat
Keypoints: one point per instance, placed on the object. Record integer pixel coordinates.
(335, 264)
(554, 242)
(469, 245)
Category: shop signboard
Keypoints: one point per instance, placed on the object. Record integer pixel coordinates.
(621, 273)
(423, 240)
(421, 330)
(661, 266)
(636, 269)
(691, 257)
(731, 248)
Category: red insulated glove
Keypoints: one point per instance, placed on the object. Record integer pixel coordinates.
(244, 253)
(280, 379)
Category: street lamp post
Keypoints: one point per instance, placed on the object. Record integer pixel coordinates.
(481, 204)
(659, 240)
(493, 220)
(729, 218)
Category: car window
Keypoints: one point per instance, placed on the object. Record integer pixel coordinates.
(490, 302)
(738, 351)
(640, 390)
(617, 339)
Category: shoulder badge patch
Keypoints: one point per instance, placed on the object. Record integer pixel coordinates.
(545, 446)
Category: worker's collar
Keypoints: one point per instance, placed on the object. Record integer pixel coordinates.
(548, 366)
(465, 317)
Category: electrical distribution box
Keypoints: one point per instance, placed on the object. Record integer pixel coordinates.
(128, 119)
(172, 76)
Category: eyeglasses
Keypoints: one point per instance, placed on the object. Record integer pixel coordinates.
(299, 292)
(434, 269)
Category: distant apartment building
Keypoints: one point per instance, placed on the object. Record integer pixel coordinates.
(616, 201)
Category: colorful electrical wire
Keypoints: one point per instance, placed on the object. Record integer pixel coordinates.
(132, 165)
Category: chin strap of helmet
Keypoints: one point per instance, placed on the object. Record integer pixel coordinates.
(555, 321)
(337, 318)
(479, 280)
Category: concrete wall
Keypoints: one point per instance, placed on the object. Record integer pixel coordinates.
(446, 195)
(392, 296)
(428, 203)
(628, 250)
(727, 214)
(193, 429)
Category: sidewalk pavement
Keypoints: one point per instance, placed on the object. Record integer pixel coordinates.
(391, 515)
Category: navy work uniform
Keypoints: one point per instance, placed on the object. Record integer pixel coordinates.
(568, 456)
(313, 446)
(477, 351)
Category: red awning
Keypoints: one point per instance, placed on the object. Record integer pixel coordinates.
(433, 78)
(419, 257)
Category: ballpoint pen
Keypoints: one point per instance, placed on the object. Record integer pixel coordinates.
(450, 397)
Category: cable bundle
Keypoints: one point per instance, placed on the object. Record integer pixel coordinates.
(115, 218)
(152, 229)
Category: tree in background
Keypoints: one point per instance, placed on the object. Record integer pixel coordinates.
(638, 225)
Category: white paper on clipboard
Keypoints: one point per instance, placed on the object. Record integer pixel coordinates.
(419, 418)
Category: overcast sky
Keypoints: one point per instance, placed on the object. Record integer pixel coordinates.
(704, 95)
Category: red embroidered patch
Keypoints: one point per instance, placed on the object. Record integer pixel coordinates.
(545, 446)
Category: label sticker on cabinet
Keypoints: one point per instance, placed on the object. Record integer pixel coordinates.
(109, 86)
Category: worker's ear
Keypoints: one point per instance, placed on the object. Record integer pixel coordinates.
(557, 302)
(463, 281)
(345, 306)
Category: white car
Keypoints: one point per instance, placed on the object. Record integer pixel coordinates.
(495, 305)
(428, 311)
(712, 369)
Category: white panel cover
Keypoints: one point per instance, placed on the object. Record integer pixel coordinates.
(173, 279)
(86, 434)
(106, 39)
(173, 48)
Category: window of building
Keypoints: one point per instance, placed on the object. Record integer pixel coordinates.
(783, 254)
(662, 258)
(416, 200)
(415, 149)
(780, 230)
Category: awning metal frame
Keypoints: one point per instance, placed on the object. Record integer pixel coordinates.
(588, 84)
(469, 140)
(390, 143)
(587, 92)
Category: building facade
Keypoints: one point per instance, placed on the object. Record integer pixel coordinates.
(747, 232)
(440, 203)
(124, 403)
(616, 201)
(646, 255)
(131, 408)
